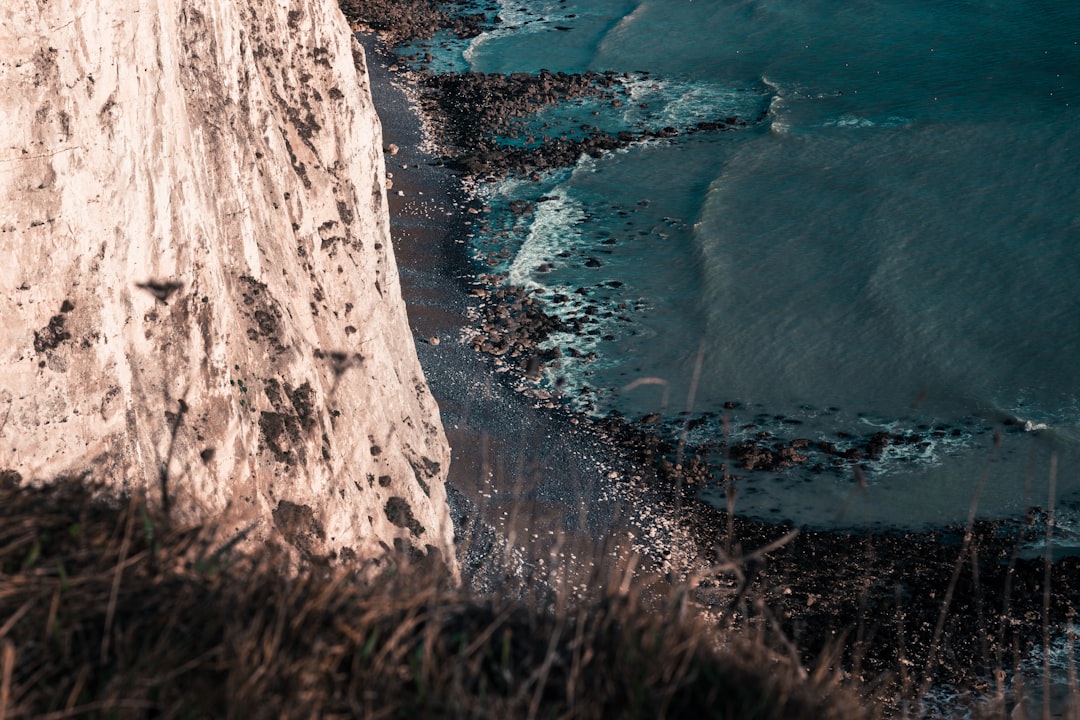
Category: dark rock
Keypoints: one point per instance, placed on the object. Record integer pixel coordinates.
(50, 336)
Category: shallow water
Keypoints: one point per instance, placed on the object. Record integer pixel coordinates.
(895, 244)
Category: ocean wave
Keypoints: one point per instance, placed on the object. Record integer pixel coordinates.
(933, 449)
(498, 248)
(557, 227)
(621, 26)
(515, 19)
(554, 228)
(849, 120)
(658, 103)
(1056, 418)
(476, 46)
(1063, 536)
(792, 105)
(593, 23)
(777, 103)
(650, 105)
(567, 243)
(539, 16)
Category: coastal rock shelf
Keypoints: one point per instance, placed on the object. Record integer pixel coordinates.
(200, 297)
(687, 477)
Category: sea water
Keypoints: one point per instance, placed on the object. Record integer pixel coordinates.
(891, 242)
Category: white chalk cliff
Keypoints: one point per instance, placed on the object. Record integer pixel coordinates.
(197, 273)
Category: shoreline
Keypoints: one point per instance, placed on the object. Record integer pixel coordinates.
(814, 588)
(542, 478)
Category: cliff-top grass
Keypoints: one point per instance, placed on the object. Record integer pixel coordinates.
(109, 609)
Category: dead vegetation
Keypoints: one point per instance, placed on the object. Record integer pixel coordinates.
(109, 610)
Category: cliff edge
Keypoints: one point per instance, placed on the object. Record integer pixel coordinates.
(199, 295)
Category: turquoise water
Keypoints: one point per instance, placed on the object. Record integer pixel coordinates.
(894, 245)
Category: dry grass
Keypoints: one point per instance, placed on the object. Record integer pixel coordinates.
(109, 610)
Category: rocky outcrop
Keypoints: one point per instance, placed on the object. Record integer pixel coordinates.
(199, 294)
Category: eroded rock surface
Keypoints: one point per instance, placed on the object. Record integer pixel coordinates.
(198, 276)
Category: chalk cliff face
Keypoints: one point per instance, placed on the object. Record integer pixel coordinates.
(197, 272)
